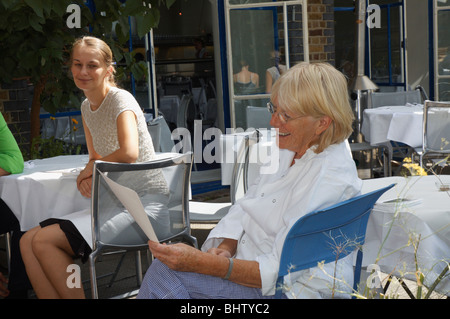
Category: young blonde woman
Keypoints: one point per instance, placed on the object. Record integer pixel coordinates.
(116, 131)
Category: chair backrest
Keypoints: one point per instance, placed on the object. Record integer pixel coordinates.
(436, 127)
(246, 168)
(166, 143)
(379, 99)
(162, 186)
(154, 128)
(211, 110)
(327, 235)
(177, 86)
(258, 117)
(186, 112)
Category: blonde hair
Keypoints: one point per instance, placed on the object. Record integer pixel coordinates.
(317, 90)
(102, 48)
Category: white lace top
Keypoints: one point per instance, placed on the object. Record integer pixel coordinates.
(103, 128)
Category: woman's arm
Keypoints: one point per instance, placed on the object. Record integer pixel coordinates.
(182, 257)
(127, 152)
(268, 82)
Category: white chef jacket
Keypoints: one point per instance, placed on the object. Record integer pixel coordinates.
(261, 220)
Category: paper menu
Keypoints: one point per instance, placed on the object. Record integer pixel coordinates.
(399, 203)
(131, 201)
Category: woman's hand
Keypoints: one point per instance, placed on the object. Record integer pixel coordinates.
(84, 180)
(85, 187)
(180, 257)
(219, 252)
(227, 248)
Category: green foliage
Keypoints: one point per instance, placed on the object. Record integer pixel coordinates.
(50, 147)
(35, 41)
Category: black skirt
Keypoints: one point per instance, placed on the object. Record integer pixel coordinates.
(79, 246)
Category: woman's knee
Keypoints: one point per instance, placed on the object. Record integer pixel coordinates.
(45, 238)
(26, 240)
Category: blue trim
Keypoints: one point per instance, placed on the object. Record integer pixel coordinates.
(431, 62)
(224, 64)
(91, 5)
(130, 47)
(390, 84)
(389, 44)
(405, 67)
(61, 114)
(340, 9)
(207, 187)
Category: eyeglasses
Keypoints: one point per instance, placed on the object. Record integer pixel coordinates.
(284, 118)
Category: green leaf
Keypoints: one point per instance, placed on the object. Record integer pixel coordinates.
(122, 35)
(169, 3)
(37, 6)
(144, 24)
(59, 7)
(34, 23)
(133, 7)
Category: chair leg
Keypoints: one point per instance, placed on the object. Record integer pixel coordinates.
(138, 268)
(8, 251)
(94, 289)
(116, 271)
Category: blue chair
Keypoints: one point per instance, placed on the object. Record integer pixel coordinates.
(315, 236)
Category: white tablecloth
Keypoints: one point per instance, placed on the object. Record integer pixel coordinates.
(46, 188)
(429, 218)
(393, 123)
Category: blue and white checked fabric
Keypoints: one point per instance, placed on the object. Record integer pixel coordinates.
(160, 282)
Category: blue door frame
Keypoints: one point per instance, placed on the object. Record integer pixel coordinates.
(387, 7)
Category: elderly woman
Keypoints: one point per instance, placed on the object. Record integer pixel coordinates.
(240, 258)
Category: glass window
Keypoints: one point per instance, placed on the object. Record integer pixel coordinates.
(264, 41)
(386, 47)
(442, 48)
(443, 39)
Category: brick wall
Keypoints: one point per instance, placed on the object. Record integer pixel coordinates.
(321, 31)
(15, 101)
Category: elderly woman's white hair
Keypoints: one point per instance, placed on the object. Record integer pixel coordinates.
(317, 90)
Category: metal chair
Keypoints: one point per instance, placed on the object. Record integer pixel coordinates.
(163, 189)
(436, 131)
(205, 212)
(258, 117)
(379, 99)
(7, 250)
(314, 238)
(154, 128)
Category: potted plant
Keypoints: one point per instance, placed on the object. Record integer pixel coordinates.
(35, 43)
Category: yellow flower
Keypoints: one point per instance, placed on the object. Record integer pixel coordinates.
(407, 160)
(52, 118)
(75, 121)
(415, 169)
(75, 128)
